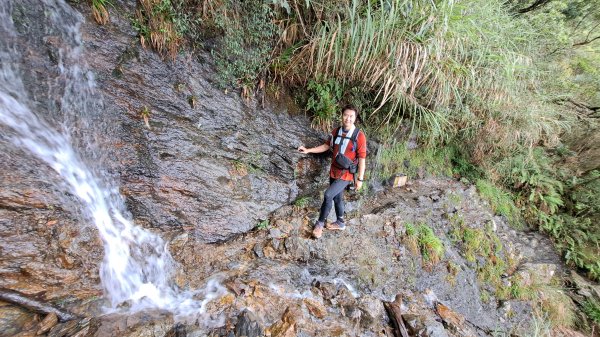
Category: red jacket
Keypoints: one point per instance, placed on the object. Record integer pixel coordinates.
(351, 153)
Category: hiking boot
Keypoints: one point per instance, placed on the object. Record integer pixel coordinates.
(337, 225)
(318, 230)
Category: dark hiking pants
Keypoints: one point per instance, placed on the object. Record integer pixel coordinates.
(334, 194)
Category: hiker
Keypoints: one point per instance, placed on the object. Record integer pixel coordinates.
(349, 147)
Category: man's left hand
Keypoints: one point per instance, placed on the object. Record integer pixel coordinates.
(358, 184)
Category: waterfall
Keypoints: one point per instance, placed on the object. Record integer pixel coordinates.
(137, 267)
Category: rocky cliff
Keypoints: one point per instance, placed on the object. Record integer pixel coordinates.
(202, 167)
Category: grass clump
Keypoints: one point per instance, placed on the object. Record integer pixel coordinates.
(99, 11)
(552, 302)
(263, 225)
(422, 240)
(500, 201)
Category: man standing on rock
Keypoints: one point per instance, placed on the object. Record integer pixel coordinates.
(349, 147)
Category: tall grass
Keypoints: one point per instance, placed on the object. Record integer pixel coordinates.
(451, 68)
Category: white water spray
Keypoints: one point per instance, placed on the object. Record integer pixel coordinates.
(137, 266)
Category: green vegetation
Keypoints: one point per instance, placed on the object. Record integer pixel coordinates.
(263, 224)
(397, 158)
(145, 114)
(500, 201)
(323, 102)
(302, 202)
(161, 25)
(246, 35)
(592, 310)
(422, 240)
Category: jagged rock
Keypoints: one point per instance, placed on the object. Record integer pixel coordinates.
(258, 249)
(298, 248)
(13, 319)
(286, 327)
(284, 226)
(276, 233)
(536, 273)
(315, 308)
(424, 326)
(584, 287)
(328, 289)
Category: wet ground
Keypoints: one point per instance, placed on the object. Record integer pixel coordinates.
(282, 282)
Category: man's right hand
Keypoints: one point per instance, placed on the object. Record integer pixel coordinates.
(303, 149)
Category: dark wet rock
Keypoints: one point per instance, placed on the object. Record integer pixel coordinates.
(248, 325)
(298, 248)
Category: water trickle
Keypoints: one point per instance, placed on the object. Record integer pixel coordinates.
(137, 266)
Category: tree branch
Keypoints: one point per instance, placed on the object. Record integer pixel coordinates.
(15, 297)
(586, 41)
(535, 5)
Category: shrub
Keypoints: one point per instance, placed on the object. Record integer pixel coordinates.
(246, 41)
(323, 103)
(162, 24)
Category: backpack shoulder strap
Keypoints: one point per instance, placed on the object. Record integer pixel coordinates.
(334, 138)
(353, 138)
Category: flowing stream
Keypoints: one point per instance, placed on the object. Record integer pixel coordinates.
(137, 266)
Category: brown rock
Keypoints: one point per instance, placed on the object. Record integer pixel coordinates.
(269, 252)
(47, 323)
(315, 308)
(284, 226)
(449, 316)
(286, 327)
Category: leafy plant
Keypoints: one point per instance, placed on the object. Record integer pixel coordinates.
(263, 224)
(302, 202)
(592, 310)
(323, 102)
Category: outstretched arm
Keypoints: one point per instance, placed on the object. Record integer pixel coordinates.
(317, 149)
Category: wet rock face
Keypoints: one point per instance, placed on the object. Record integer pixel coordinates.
(209, 160)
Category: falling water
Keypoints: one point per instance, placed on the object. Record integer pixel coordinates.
(137, 265)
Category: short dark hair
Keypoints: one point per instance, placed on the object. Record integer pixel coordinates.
(350, 107)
